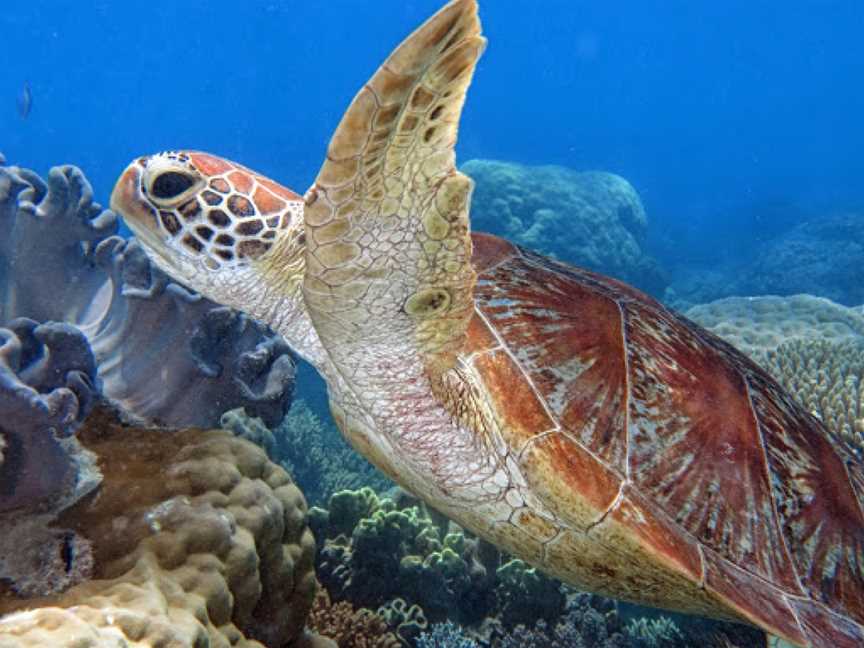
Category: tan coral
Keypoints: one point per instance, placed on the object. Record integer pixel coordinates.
(350, 628)
(197, 539)
(826, 378)
(757, 324)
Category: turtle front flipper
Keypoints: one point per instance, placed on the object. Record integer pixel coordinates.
(388, 245)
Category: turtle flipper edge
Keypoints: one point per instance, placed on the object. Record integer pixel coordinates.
(388, 243)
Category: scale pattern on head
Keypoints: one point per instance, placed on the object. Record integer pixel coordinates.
(207, 207)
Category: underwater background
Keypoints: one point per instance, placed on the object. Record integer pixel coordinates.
(736, 124)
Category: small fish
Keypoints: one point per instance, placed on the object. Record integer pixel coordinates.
(25, 101)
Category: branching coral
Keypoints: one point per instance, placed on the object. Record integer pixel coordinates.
(193, 538)
(348, 627)
(655, 633)
(445, 635)
(827, 378)
(152, 338)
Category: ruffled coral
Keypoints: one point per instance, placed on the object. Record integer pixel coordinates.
(152, 338)
(47, 386)
(194, 538)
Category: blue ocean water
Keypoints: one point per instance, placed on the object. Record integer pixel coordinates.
(738, 123)
(715, 111)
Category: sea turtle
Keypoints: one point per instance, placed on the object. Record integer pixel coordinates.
(565, 416)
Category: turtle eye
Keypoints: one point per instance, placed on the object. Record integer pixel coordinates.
(170, 184)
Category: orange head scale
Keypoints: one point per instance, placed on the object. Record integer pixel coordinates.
(198, 215)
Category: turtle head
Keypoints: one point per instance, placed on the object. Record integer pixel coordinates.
(211, 223)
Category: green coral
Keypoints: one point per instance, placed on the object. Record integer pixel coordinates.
(363, 536)
(525, 594)
(655, 633)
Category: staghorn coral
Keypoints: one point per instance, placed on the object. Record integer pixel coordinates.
(194, 538)
(77, 272)
(348, 627)
(592, 219)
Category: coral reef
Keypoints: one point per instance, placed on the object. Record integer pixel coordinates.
(827, 378)
(312, 450)
(654, 633)
(821, 257)
(589, 621)
(445, 635)
(192, 538)
(447, 573)
(593, 219)
(756, 325)
(151, 338)
(349, 627)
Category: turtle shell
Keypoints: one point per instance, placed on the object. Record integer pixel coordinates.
(674, 470)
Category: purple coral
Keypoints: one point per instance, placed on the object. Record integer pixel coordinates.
(164, 354)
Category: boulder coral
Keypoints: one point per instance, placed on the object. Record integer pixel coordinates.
(756, 325)
(192, 538)
(311, 449)
(592, 219)
(61, 261)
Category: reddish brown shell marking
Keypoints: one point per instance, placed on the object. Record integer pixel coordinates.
(678, 426)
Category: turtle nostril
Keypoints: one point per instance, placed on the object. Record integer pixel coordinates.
(170, 185)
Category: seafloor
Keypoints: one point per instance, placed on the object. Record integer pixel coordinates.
(125, 514)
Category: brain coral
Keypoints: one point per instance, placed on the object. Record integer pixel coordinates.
(193, 539)
(592, 219)
(756, 325)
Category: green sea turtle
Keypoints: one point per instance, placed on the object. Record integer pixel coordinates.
(564, 416)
